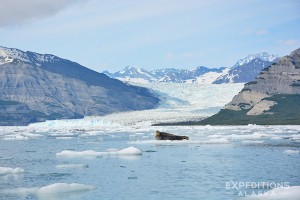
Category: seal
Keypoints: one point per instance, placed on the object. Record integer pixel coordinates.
(168, 136)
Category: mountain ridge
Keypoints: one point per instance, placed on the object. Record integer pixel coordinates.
(244, 70)
(58, 88)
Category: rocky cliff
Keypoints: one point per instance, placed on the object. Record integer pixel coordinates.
(272, 98)
(35, 87)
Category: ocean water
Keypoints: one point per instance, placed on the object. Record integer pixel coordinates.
(89, 158)
(196, 169)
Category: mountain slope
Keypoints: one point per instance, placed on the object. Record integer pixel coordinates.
(246, 69)
(140, 75)
(57, 88)
(273, 98)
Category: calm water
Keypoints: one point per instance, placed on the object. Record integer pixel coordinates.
(198, 169)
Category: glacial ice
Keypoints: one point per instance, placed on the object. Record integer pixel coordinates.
(291, 152)
(8, 170)
(68, 166)
(129, 151)
(53, 190)
(280, 193)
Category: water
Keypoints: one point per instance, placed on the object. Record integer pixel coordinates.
(195, 169)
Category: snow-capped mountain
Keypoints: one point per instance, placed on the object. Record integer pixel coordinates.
(140, 75)
(262, 55)
(133, 74)
(8, 55)
(246, 69)
(37, 87)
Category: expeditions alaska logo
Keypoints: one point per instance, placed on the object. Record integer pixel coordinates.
(246, 189)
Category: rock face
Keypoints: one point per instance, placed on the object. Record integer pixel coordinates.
(50, 87)
(272, 98)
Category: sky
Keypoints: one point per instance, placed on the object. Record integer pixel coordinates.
(112, 34)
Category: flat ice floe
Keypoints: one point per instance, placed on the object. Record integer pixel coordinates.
(8, 170)
(68, 166)
(291, 152)
(280, 193)
(252, 142)
(53, 190)
(130, 151)
(181, 142)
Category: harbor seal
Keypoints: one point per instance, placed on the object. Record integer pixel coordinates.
(167, 136)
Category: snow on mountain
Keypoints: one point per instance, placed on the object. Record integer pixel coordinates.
(246, 69)
(139, 75)
(8, 55)
(262, 55)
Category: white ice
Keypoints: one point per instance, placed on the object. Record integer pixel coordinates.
(130, 151)
(291, 152)
(53, 190)
(8, 170)
(280, 193)
(67, 166)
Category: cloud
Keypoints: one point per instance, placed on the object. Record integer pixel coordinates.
(190, 55)
(169, 56)
(17, 12)
(262, 32)
(289, 42)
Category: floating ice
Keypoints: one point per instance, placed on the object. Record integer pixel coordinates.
(54, 190)
(66, 166)
(291, 152)
(252, 141)
(8, 170)
(90, 153)
(182, 142)
(62, 188)
(280, 193)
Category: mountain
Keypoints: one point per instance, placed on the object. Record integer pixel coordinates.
(135, 74)
(271, 99)
(36, 87)
(246, 69)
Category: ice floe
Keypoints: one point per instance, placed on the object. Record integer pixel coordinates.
(130, 151)
(280, 193)
(291, 152)
(252, 142)
(53, 190)
(181, 142)
(8, 170)
(67, 166)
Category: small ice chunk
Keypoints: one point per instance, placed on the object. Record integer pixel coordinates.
(130, 151)
(54, 190)
(62, 188)
(280, 193)
(90, 153)
(8, 170)
(291, 152)
(252, 141)
(217, 141)
(72, 166)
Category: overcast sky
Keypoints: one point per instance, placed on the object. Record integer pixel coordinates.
(112, 34)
